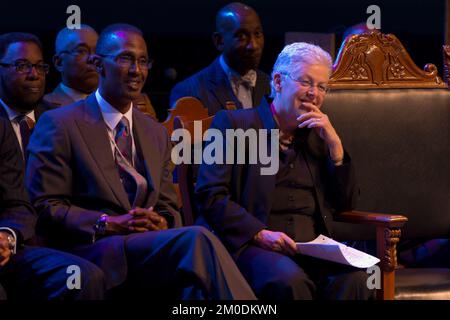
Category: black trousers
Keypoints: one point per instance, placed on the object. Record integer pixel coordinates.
(275, 276)
(42, 274)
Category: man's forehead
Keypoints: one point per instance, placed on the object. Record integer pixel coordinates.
(126, 41)
(75, 37)
(240, 20)
(23, 50)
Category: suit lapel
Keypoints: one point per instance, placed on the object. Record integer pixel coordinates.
(41, 108)
(62, 98)
(267, 122)
(260, 88)
(146, 143)
(95, 134)
(4, 115)
(220, 87)
(3, 112)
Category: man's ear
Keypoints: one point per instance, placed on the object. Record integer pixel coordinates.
(218, 41)
(57, 62)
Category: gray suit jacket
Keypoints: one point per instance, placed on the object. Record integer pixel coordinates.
(212, 87)
(58, 97)
(72, 179)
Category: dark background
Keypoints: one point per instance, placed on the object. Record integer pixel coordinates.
(178, 32)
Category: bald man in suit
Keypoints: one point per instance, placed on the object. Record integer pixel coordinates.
(233, 80)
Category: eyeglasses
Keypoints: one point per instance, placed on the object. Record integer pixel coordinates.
(127, 60)
(78, 53)
(306, 84)
(27, 66)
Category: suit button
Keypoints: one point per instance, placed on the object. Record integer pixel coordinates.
(325, 217)
(291, 197)
(291, 165)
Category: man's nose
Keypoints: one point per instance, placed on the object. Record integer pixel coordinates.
(253, 43)
(135, 68)
(33, 73)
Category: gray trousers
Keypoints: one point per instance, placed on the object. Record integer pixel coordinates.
(180, 263)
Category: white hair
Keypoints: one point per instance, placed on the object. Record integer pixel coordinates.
(295, 55)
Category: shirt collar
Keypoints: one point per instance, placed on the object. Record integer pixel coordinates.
(74, 94)
(12, 114)
(111, 115)
(235, 77)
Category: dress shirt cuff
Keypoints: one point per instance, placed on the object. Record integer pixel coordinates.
(13, 233)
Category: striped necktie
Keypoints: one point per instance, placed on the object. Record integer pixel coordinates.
(134, 183)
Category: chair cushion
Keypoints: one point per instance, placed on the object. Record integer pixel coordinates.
(399, 142)
(422, 284)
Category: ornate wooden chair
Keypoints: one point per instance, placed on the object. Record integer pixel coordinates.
(394, 120)
(189, 108)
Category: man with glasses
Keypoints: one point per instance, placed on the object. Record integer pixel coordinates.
(233, 80)
(26, 271)
(79, 78)
(99, 175)
(22, 83)
(260, 217)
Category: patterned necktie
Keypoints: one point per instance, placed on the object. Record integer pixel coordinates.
(26, 126)
(244, 87)
(134, 183)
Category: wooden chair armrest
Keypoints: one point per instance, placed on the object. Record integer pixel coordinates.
(388, 232)
(371, 218)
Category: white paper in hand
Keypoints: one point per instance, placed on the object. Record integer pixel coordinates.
(328, 249)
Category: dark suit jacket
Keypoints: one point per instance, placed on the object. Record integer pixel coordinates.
(15, 210)
(212, 87)
(72, 179)
(235, 200)
(58, 97)
(18, 211)
(38, 111)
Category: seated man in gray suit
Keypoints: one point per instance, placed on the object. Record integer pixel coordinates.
(78, 75)
(99, 175)
(233, 80)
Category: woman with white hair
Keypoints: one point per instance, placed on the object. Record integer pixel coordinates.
(260, 217)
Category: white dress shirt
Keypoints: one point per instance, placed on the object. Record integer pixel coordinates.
(112, 117)
(242, 92)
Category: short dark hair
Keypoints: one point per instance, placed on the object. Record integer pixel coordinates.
(8, 38)
(104, 36)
